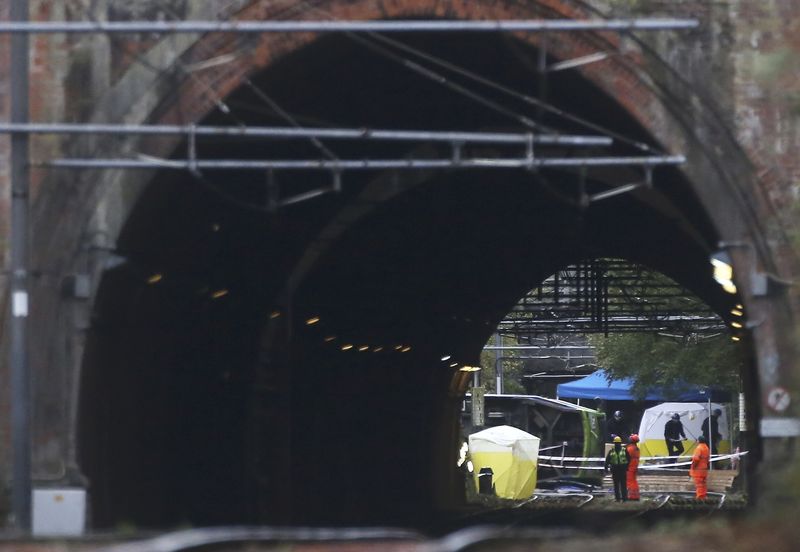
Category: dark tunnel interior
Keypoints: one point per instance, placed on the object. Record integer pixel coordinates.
(207, 390)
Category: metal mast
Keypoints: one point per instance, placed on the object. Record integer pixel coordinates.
(20, 376)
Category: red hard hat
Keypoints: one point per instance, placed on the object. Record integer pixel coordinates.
(634, 438)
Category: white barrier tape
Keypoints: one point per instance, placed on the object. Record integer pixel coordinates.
(714, 458)
(572, 458)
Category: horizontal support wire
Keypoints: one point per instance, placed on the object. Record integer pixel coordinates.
(395, 26)
(366, 164)
(306, 132)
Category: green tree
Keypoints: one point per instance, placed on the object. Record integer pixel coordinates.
(652, 360)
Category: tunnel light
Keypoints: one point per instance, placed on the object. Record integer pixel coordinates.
(723, 271)
(740, 307)
(347, 346)
(275, 314)
(737, 312)
(377, 349)
(330, 338)
(405, 349)
(453, 364)
(469, 368)
(155, 278)
(736, 325)
(398, 347)
(363, 348)
(219, 293)
(313, 320)
(729, 287)
(445, 358)
(470, 466)
(735, 338)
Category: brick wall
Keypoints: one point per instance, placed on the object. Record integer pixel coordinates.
(763, 104)
(745, 62)
(767, 94)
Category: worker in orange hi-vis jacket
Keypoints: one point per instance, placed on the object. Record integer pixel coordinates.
(699, 469)
(633, 467)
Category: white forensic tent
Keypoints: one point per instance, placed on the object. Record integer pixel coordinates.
(513, 456)
(693, 414)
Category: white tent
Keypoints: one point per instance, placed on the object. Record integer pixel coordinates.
(651, 428)
(513, 456)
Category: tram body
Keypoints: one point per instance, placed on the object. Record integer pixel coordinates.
(564, 428)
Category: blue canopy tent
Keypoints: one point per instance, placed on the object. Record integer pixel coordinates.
(598, 386)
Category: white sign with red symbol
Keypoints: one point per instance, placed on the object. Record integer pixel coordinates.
(778, 399)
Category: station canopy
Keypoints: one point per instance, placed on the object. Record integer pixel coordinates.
(598, 385)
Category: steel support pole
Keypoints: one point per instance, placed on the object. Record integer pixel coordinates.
(307, 132)
(354, 26)
(498, 365)
(355, 165)
(20, 376)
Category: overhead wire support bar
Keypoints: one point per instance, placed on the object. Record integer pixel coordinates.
(366, 164)
(352, 26)
(577, 62)
(306, 132)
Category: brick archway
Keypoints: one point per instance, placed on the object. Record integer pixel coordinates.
(189, 100)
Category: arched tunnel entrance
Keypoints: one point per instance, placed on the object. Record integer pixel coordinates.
(245, 364)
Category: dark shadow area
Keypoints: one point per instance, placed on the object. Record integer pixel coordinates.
(202, 377)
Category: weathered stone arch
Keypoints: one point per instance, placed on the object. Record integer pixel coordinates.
(90, 214)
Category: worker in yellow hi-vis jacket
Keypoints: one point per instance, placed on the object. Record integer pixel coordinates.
(617, 461)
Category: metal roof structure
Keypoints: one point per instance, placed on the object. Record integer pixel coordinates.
(609, 295)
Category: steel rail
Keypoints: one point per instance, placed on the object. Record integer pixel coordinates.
(351, 164)
(351, 26)
(191, 539)
(307, 132)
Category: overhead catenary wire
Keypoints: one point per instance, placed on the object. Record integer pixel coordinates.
(521, 118)
(218, 102)
(266, 98)
(184, 26)
(537, 102)
(223, 108)
(440, 79)
(546, 106)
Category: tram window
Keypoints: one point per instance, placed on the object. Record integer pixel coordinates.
(496, 419)
(569, 429)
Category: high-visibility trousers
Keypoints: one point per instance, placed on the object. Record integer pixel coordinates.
(700, 485)
(632, 484)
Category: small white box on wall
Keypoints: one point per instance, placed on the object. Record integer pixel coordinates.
(59, 512)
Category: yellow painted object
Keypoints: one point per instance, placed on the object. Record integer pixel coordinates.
(512, 454)
(692, 416)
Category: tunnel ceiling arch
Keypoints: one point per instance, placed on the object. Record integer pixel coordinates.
(201, 322)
